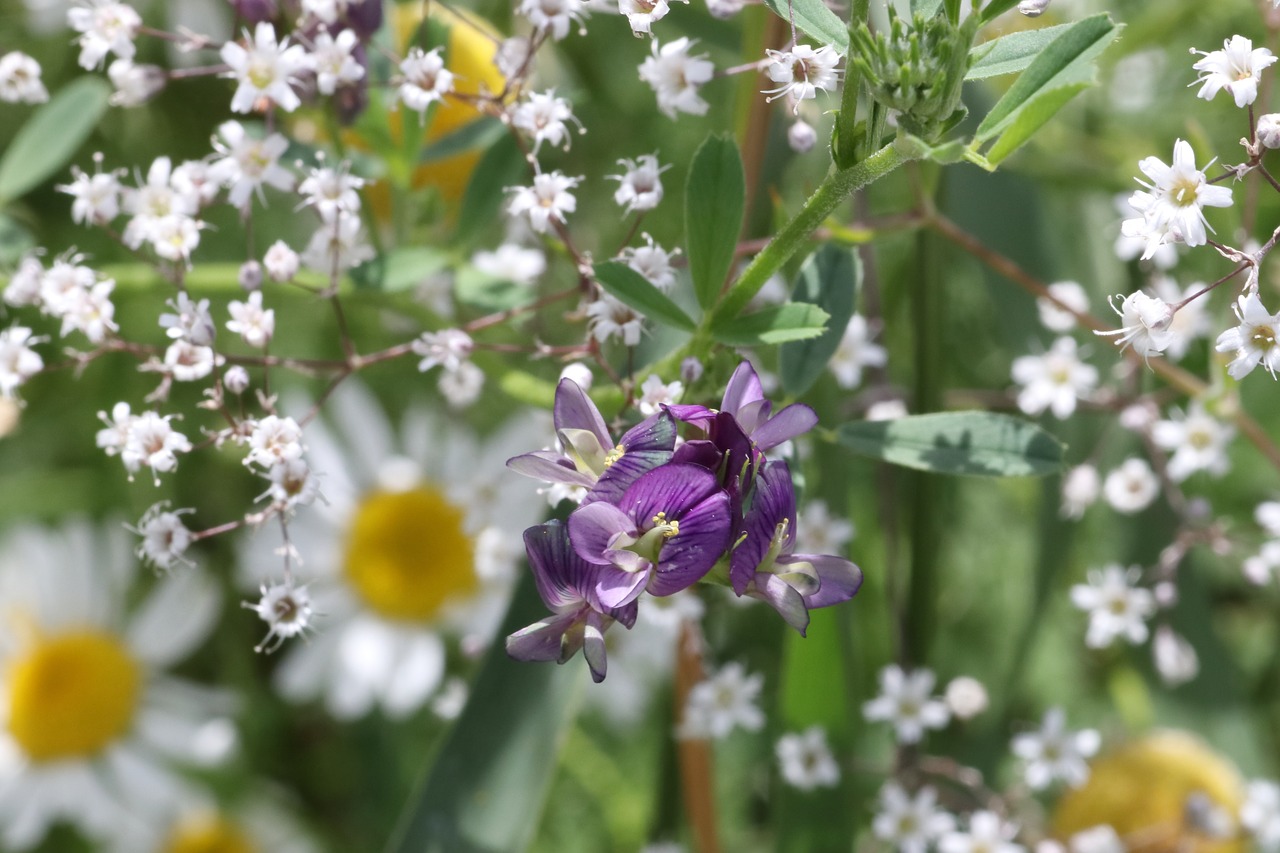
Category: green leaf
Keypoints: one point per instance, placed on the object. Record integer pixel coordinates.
(404, 269)
(485, 788)
(501, 166)
(636, 291)
(475, 134)
(829, 279)
(815, 19)
(793, 321)
(1010, 53)
(714, 201)
(1057, 74)
(928, 8)
(996, 8)
(52, 136)
(982, 443)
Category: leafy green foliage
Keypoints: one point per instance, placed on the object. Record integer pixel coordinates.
(635, 291)
(714, 202)
(982, 443)
(830, 279)
(51, 136)
(793, 321)
(1010, 53)
(815, 19)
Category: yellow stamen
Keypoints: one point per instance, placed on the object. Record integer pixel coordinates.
(208, 834)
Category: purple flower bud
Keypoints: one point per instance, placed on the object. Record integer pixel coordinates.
(255, 11)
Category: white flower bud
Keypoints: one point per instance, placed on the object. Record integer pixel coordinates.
(1175, 659)
(966, 697)
(236, 379)
(801, 137)
(691, 370)
(281, 261)
(579, 374)
(1033, 8)
(1269, 130)
(250, 276)
(1080, 488)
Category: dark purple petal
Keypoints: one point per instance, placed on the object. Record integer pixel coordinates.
(694, 415)
(744, 387)
(543, 640)
(774, 501)
(704, 537)
(575, 410)
(794, 420)
(779, 595)
(840, 579)
(592, 529)
(365, 18)
(563, 577)
(619, 476)
(550, 467)
(593, 648)
(656, 432)
(672, 489)
(701, 452)
(741, 457)
(616, 588)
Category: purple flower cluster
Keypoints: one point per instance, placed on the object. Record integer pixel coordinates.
(658, 518)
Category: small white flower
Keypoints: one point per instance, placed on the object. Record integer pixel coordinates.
(281, 261)
(135, 84)
(105, 27)
(1055, 753)
(1053, 381)
(1171, 209)
(332, 61)
(337, 246)
(63, 283)
(553, 16)
(194, 181)
(1236, 68)
(654, 393)
(906, 701)
(426, 80)
(1260, 814)
(1253, 341)
(547, 201)
(1174, 657)
(90, 311)
(513, 57)
(988, 833)
(153, 443)
(1267, 514)
(286, 609)
(820, 532)
(248, 163)
(333, 193)
(1146, 322)
(452, 698)
(293, 484)
(725, 8)
(236, 379)
(643, 14)
(1190, 322)
(165, 539)
(511, 262)
(1117, 607)
(1198, 441)
(115, 436)
(1097, 839)
(97, 196)
(460, 388)
(801, 136)
(264, 70)
(1080, 489)
(640, 185)
(251, 322)
(18, 361)
(856, 352)
(675, 77)
(176, 237)
(1268, 130)
(20, 81)
(722, 702)
(449, 348)
(25, 284)
(966, 697)
(653, 262)
(190, 321)
(544, 117)
(153, 202)
(1131, 487)
(801, 71)
(609, 318)
(274, 439)
(806, 761)
(1057, 319)
(909, 822)
(188, 362)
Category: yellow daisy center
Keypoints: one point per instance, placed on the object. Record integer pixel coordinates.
(72, 694)
(208, 834)
(408, 553)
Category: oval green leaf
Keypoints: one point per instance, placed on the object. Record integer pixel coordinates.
(714, 201)
(793, 321)
(636, 291)
(985, 444)
(52, 135)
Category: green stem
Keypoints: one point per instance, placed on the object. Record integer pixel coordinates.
(838, 186)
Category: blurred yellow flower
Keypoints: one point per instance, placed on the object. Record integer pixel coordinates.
(1164, 793)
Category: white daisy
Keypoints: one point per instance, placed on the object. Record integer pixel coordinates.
(391, 557)
(91, 724)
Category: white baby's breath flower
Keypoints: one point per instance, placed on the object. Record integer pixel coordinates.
(640, 184)
(1080, 489)
(609, 318)
(18, 361)
(337, 246)
(115, 435)
(274, 439)
(654, 393)
(1174, 657)
(448, 348)
(25, 284)
(1057, 319)
(722, 702)
(165, 539)
(544, 117)
(553, 16)
(511, 262)
(426, 80)
(653, 262)
(332, 61)
(293, 484)
(333, 192)
(287, 610)
(966, 697)
(806, 761)
(188, 362)
(910, 822)
(153, 443)
(801, 72)
(906, 700)
(1253, 341)
(547, 201)
(801, 136)
(134, 84)
(675, 77)
(248, 163)
(987, 833)
(1054, 753)
(643, 14)
(1131, 487)
(264, 70)
(460, 388)
(280, 261)
(1260, 814)
(1117, 606)
(1146, 320)
(20, 81)
(1237, 68)
(254, 324)
(190, 320)
(1053, 381)
(1171, 208)
(105, 27)
(1198, 441)
(97, 196)
(855, 352)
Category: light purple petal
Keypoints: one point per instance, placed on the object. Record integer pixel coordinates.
(794, 420)
(774, 501)
(592, 529)
(542, 640)
(616, 588)
(840, 579)
(744, 387)
(752, 415)
(593, 648)
(575, 410)
(550, 467)
(779, 595)
(694, 415)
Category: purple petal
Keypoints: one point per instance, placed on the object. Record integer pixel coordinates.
(753, 414)
(593, 647)
(774, 501)
(694, 415)
(703, 539)
(794, 420)
(741, 456)
(561, 575)
(840, 579)
(657, 432)
(550, 467)
(542, 640)
(744, 387)
(699, 452)
(619, 476)
(574, 410)
(592, 529)
(779, 595)
(671, 489)
(616, 588)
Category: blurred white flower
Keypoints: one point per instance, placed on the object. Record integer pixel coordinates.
(609, 318)
(640, 185)
(105, 27)
(806, 761)
(1098, 839)
(675, 77)
(280, 261)
(553, 16)
(1175, 658)
(1253, 341)
(254, 324)
(1054, 753)
(856, 352)
(18, 361)
(1237, 68)
(248, 163)
(653, 262)
(512, 262)
(987, 833)
(165, 539)
(1117, 606)
(654, 394)
(544, 117)
(1058, 319)
(1197, 440)
(911, 823)
(966, 697)
(1080, 489)
(801, 72)
(332, 61)
(20, 81)
(264, 70)
(1053, 381)
(820, 532)
(1131, 487)
(1260, 814)
(547, 201)
(722, 702)
(426, 80)
(907, 702)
